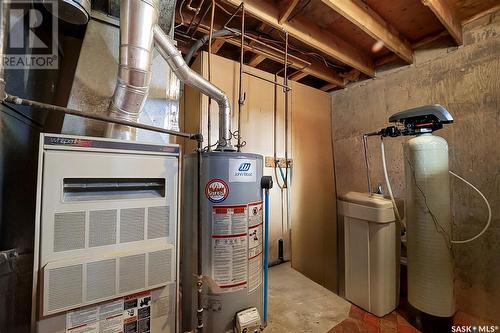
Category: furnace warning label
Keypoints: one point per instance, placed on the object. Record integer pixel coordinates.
(137, 312)
(255, 241)
(130, 314)
(230, 247)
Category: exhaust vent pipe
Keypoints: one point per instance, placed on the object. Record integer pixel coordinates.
(139, 33)
(189, 77)
(137, 19)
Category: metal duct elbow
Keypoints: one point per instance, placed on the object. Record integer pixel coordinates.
(189, 77)
(137, 20)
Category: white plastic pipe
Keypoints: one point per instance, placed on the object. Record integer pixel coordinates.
(388, 183)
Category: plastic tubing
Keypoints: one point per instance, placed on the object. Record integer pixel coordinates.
(389, 189)
(388, 183)
(266, 254)
(489, 213)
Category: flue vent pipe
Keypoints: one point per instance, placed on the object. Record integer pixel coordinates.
(139, 32)
(137, 19)
(189, 77)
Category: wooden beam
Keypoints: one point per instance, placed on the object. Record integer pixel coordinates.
(374, 25)
(448, 17)
(328, 87)
(288, 10)
(256, 60)
(299, 75)
(488, 11)
(217, 44)
(312, 67)
(390, 58)
(312, 35)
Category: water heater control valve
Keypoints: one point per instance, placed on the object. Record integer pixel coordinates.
(248, 321)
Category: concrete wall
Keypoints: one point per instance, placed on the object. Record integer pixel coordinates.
(466, 80)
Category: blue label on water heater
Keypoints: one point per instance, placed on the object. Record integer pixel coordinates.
(242, 170)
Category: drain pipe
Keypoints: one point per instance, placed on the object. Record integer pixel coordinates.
(189, 77)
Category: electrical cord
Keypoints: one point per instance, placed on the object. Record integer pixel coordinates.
(439, 227)
(487, 205)
(180, 14)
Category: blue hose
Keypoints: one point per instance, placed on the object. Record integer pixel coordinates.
(266, 255)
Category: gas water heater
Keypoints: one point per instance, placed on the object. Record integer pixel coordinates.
(231, 238)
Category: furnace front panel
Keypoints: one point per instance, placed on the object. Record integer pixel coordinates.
(107, 222)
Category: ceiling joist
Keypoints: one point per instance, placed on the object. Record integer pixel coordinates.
(328, 87)
(298, 76)
(217, 44)
(374, 25)
(312, 35)
(256, 60)
(448, 17)
(288, 10)
(311, 67)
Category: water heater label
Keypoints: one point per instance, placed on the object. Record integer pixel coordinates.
(216, 190)
(230, 247)
(242, 170)
(255, 240)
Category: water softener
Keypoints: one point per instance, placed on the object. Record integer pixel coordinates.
(428, 210)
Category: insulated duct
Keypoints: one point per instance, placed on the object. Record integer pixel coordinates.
(139, 32)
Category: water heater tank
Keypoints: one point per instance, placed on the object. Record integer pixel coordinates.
(232, 238)
(430, 265)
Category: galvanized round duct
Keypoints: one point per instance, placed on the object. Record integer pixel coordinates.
(72, 11)
(137, 19)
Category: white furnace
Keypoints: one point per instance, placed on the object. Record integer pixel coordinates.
(106, 256)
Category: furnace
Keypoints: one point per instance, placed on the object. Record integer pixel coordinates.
(106, 236)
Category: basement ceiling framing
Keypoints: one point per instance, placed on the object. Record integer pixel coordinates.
(332, 42)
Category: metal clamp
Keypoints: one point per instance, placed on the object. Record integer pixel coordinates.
(7, 261)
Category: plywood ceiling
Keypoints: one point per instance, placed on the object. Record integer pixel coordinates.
(331, 42)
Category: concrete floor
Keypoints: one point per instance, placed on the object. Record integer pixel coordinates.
(297, 304)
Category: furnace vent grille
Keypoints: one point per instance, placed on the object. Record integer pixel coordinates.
(102, 227)
(158, 222)
(160, 267)
(132, 224)
(101, 279)
(69, 231)
(132, 273)
(65, 287)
